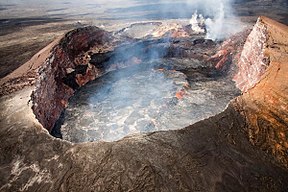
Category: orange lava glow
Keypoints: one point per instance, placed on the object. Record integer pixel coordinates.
(180, 94)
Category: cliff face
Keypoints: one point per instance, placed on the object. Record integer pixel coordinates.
(252, 63)
(61, 73)
(264, 105)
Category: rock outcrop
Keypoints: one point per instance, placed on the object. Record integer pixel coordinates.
(265, 104)
(56, 82)
(253, 62)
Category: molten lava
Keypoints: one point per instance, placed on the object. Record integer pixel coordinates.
(180, 94)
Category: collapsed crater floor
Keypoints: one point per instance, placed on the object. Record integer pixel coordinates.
(137, 100)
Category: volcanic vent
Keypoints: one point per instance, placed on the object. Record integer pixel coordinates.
(140, 85)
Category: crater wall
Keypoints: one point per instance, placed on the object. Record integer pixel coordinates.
(61, 74)
(264, 105)
(253, 62)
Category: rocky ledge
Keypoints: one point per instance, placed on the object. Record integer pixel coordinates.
(244, 148)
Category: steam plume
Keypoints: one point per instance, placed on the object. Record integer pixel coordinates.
(220, 20)
(215, 27)
(197, 22)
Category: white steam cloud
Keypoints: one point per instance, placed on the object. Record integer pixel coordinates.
(220, 20)
(215, 27)
(197, 23)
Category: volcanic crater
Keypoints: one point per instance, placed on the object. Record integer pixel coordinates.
(140, 85)
(238, 144)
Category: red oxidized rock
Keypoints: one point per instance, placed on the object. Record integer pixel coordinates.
(252, 61)
(52, 94)
(264, 105)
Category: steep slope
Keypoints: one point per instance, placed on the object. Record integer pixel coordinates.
(265, 104)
